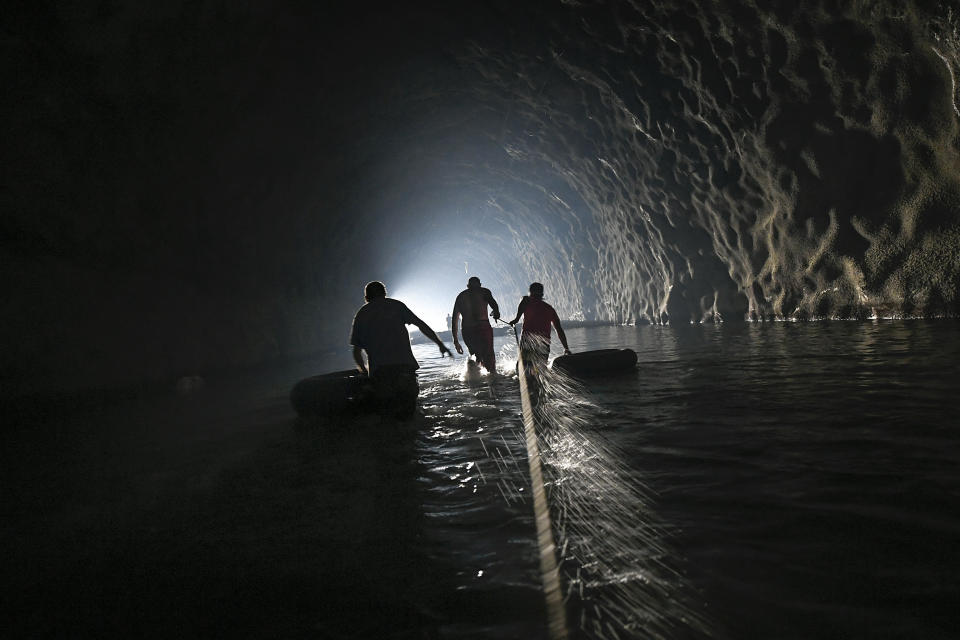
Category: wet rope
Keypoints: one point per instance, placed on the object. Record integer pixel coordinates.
(550, 573)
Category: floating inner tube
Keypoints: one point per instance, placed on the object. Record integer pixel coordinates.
(330, 393)
(599, 362)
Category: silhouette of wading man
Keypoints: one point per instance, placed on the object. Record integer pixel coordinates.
(379, 329)
(471, 305)
(538, 316)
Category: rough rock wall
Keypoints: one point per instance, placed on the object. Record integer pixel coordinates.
(646, 160)
(741, 159)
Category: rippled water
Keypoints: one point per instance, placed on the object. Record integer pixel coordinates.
(789, 480)
(779, 480)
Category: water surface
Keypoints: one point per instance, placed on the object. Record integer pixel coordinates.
(779, 480)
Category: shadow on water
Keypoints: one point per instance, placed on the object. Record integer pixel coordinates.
(755, 481)
(214, 516)
(218, 514)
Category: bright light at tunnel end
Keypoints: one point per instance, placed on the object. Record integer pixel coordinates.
(431, 306)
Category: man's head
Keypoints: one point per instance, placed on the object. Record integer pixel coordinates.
(536, 290)
(473, 282)
(374, 290)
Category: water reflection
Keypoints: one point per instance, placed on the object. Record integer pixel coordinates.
(768, 480)
(747, 481)
(619, 578)
(792, 460)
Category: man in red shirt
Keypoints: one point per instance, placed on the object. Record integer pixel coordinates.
(537, 318)
(472, 305)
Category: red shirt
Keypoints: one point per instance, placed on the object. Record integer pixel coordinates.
(537, 318)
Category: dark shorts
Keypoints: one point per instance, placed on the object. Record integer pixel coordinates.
(395, 389)
(478, 338)
(479, 341)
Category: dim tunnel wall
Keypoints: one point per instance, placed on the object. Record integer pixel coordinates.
(203, 185)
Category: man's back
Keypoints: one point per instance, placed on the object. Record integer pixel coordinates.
(472, 305)
(379, 328)
(537, 317)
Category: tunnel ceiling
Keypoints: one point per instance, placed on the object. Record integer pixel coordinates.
(648, 161)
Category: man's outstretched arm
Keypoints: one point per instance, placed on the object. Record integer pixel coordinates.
(493, 305)
(454, 327)
(560, 333)
(520, 308)
(430, 333)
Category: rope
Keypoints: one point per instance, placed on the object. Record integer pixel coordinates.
(556, 616)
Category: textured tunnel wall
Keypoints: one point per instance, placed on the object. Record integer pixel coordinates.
(214, 183)
(728, 161)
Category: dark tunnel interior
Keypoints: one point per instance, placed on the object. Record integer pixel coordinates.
(192, 185)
